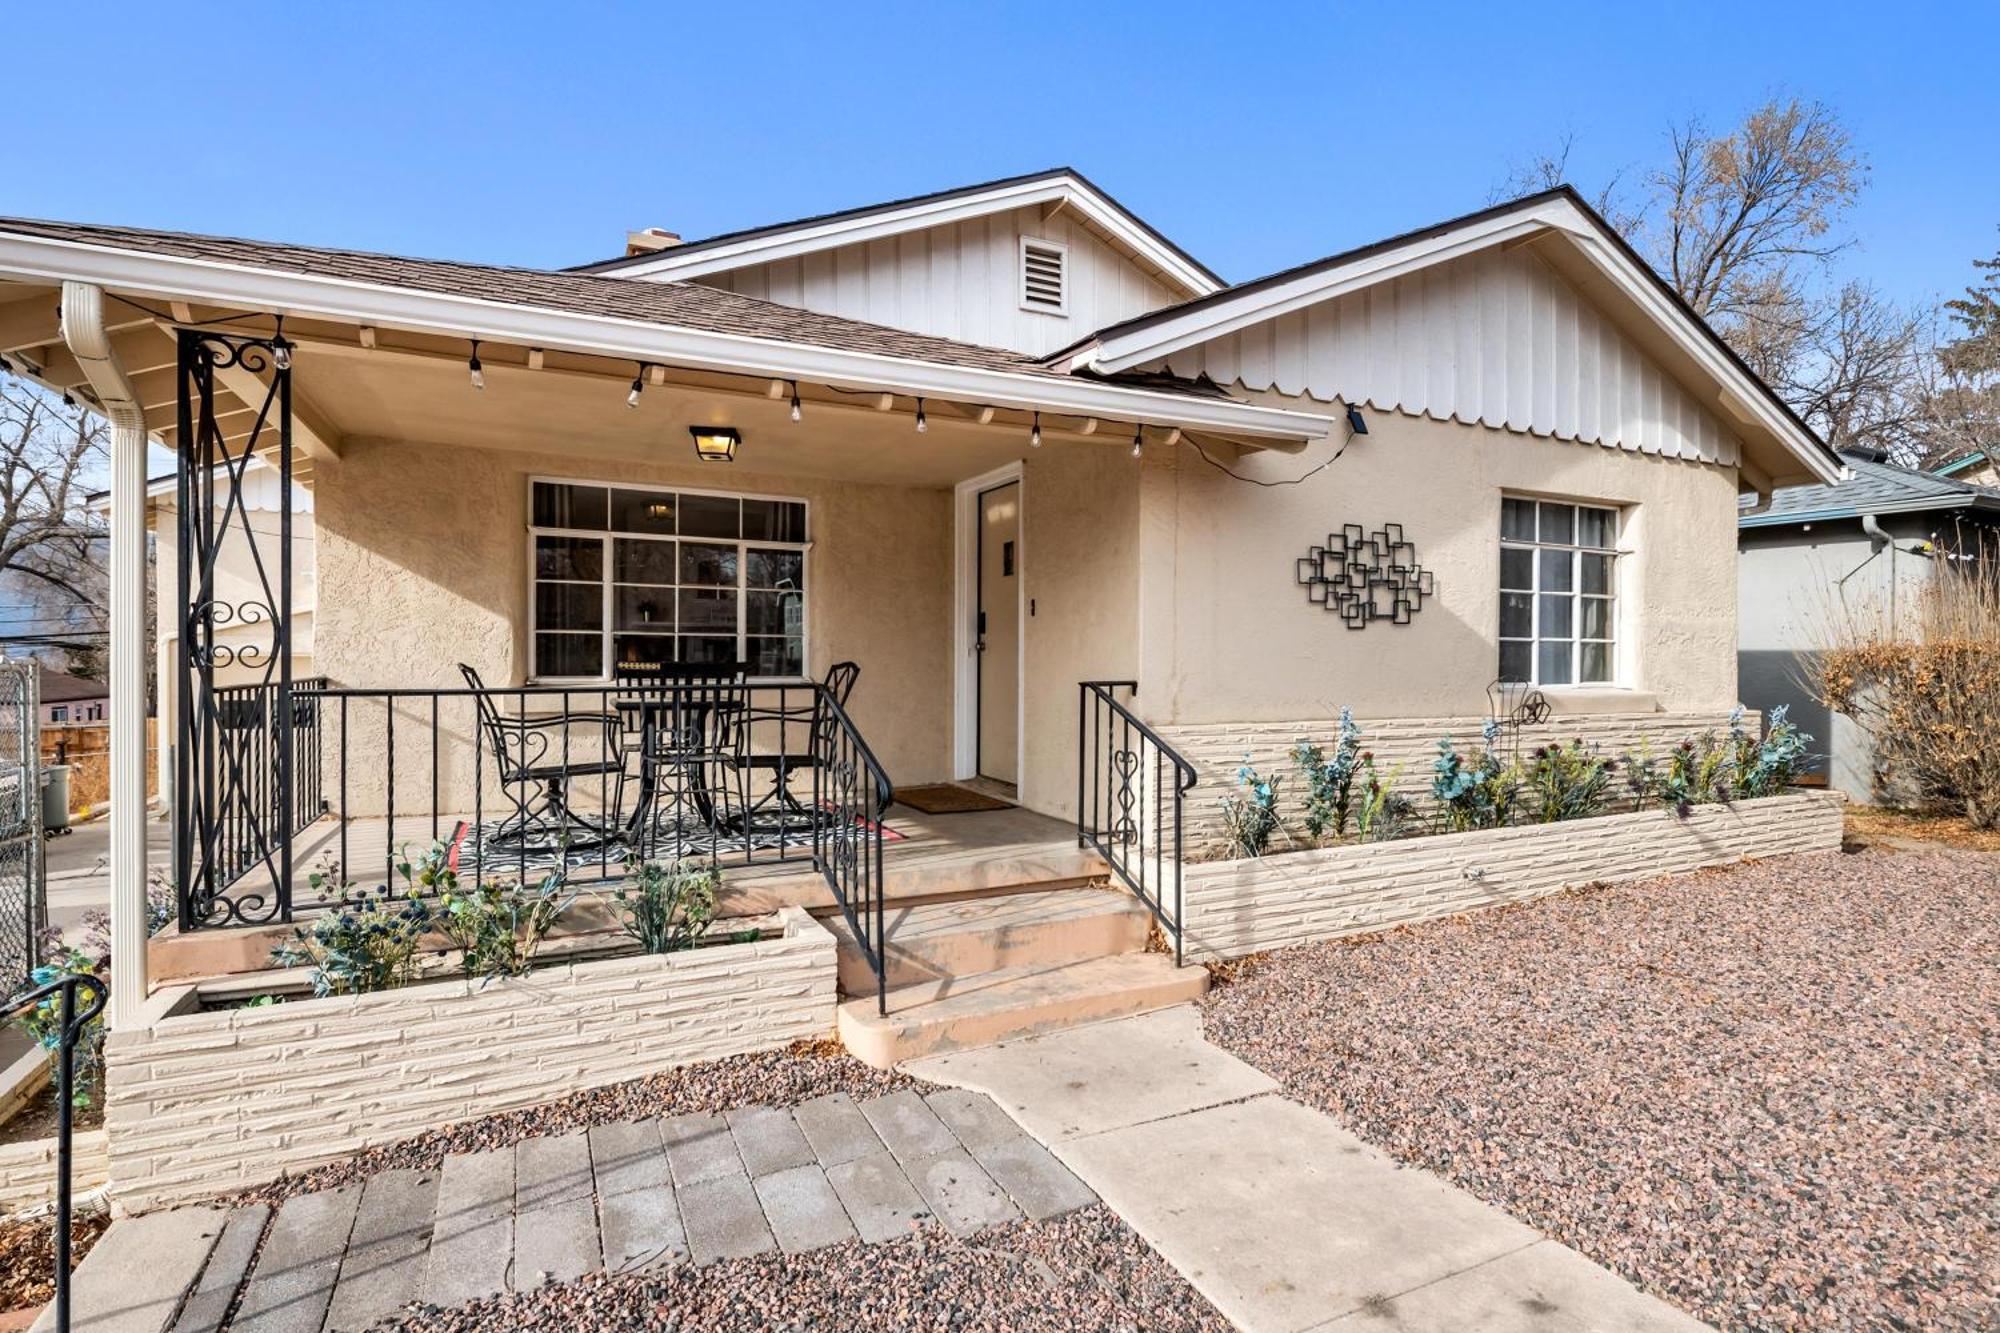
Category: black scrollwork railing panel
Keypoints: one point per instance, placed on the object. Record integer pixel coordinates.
(1131, 792)
(851, 794)
(236, 806)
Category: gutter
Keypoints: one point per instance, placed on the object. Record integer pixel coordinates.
(169, 277)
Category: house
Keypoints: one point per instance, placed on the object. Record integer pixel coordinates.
(1091, 522)
(72, 701)
(1819, 556)
(1976, 467)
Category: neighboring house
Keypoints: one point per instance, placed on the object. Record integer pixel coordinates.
(1976, 467)
(1819, 557)
(72, 701)
(989, 445)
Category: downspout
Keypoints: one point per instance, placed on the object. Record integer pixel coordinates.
(83, 330)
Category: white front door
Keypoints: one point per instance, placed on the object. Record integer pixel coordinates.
(998, 632)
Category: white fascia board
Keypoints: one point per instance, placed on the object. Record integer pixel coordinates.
(208, 282)
(792, 241)
(1148, 344)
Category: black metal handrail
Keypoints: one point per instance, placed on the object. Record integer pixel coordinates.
(72, 1021)
(1122, 765)
(852, 793)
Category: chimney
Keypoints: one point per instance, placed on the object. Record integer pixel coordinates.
(650, 240)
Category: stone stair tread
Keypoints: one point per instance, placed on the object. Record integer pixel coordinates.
(986, 1007)
(909, 925)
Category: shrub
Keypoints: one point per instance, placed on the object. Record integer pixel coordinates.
(496, 925)
(366, 942)
(666, 907)
(43, 1023)
(1250, 812)
(1764, 768)
(1475, 791)
(1700, 770)
(1383, 812)
(1925, 685)
(1329, 783)
(1566, 782)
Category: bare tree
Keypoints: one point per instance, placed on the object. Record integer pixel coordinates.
(1546, 171)
(50, 545)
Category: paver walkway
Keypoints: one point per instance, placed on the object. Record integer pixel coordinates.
(623, 1197)
(1274, 1212)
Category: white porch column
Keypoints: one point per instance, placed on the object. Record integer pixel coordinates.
(83, 329)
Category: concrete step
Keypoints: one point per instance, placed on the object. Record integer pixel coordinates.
(933, 941)
(980, 1009)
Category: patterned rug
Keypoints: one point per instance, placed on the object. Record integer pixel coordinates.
(477, 850)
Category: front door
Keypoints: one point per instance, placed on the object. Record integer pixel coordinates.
(999, 631)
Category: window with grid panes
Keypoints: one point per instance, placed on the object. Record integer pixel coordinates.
(639, 576)
(1558, 592)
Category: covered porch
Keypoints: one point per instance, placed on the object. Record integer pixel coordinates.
(809, 489)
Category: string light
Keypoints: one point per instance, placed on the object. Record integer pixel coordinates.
(472, 364)
(281, 351)
(796, 414)
(67, 400)
(1035, 435)
(922, 425)
(1138, 440)
(638, 386)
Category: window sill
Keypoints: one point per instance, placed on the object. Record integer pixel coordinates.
(1583, 700)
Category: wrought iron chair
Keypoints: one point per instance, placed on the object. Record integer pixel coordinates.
(810, 727)
(536, 766)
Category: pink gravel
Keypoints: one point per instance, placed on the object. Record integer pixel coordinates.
(1079, 1273)
(1769, 1094)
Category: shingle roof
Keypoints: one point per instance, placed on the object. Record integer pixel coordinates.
(59, 687)
(1876, 488)
(683, 305)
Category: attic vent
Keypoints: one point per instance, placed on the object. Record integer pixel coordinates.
(1043, 276)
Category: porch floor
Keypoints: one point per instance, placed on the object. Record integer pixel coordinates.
(924, 856)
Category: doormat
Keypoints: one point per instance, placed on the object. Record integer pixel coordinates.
(948, 798)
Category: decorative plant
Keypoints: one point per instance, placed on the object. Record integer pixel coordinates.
(1566, 782)
(1643, 782)
(1769, 766)
(1383, 812)
(497, 925)
(43, 1023)
(1473, 791)
(1329, 783)
(367, 942)
(666, 907)
(1698, 771)
(1250, 812)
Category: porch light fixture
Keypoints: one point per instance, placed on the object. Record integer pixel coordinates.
(796, 414)
(1035, 435)
(922, 425)
(715, 444)
(1356, 423)
(472, 364)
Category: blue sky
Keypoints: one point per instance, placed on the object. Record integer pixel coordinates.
(1256, 137)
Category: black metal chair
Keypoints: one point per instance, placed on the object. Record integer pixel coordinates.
(812, 729)
(691, 720)
(536, 765)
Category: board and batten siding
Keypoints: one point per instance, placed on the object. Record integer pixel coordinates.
(962, 281)
(1496, 338)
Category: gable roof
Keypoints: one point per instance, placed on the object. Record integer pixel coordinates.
(1064, 185)
(1961, 463)
(1148, 338)
(1875, 488)
(59, 687)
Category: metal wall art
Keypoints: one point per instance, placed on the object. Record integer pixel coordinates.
(1362, 576)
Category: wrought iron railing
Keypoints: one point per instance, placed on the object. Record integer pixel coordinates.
(854, 793)
(239, 818)
(78, 1000)
(1131, 794)
(519, 781)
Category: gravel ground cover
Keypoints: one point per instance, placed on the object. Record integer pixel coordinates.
(798, 1073)
(28, 1257)
(1769, 1093)
(1083, 1271)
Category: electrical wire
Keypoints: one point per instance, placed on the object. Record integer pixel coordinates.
(166, 318)
(1284, 481)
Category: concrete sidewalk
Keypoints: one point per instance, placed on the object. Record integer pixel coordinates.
(1274, 1212)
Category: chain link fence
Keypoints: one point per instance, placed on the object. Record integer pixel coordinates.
(23, 907)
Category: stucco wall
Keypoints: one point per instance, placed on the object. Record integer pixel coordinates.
(1229, 636)
(424, 563)
(1239, 907)
(204, 1103)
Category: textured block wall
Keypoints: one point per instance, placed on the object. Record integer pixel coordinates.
(1217, 749)
(1240, 907)
(205, 1103)
(28, 1170)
